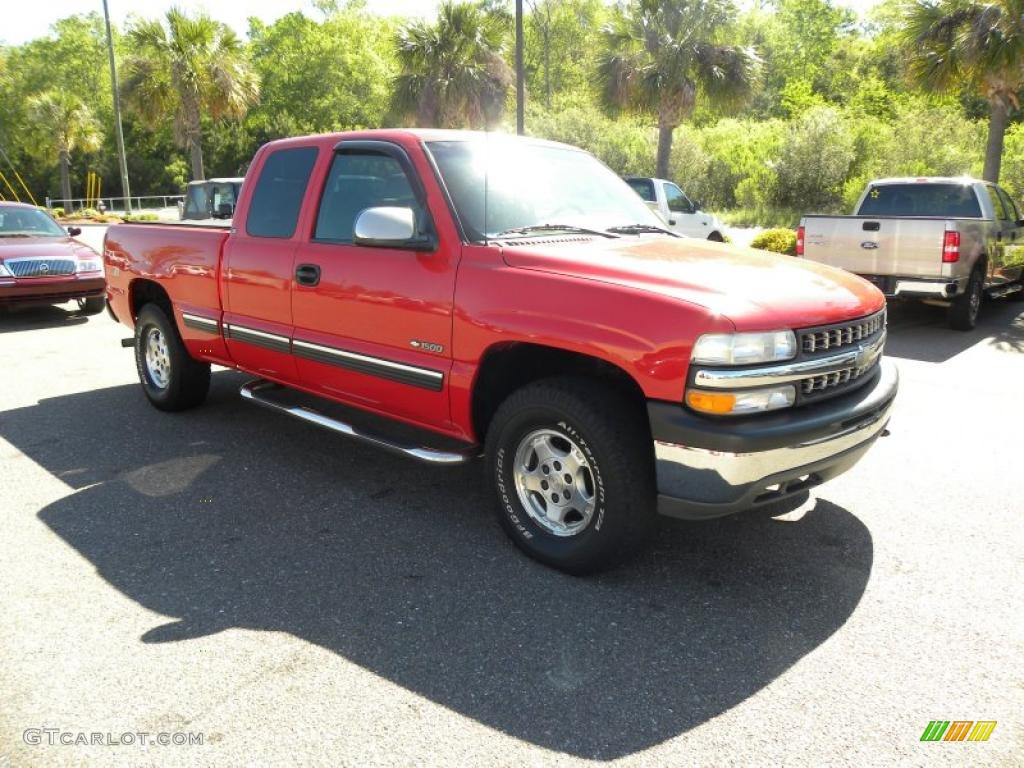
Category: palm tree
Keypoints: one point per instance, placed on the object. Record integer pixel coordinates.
(453, 72)
(68, 124)
(957, 43)
(190, 67)
(660, 55)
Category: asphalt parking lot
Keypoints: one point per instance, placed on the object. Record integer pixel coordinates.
(296, 598)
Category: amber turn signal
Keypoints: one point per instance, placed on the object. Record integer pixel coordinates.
(711, 402)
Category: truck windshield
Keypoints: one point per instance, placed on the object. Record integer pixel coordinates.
(28, 222)
(528, 185)
(916, 199)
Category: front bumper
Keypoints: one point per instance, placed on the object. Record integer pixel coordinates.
(708, 468)
(53, 290)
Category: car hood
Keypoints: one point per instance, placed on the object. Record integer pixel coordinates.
(43, 247)
(754, 289)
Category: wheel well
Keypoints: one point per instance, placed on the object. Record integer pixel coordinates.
(142, 292)
(505, 369)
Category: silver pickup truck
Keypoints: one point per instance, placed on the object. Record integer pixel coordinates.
(946, 241)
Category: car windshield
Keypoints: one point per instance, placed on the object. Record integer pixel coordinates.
(531, 185)
(28, 222)
(921, 199)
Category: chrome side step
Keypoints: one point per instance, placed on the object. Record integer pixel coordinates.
(258, 389)
(1005, 290)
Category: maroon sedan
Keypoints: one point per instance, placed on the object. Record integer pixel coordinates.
(41, 264)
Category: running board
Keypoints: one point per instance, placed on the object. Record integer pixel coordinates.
(1005, 290)
(258, 390)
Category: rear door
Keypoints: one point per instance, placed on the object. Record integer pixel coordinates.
(374, 326)
(257, 266)
(1011, 263)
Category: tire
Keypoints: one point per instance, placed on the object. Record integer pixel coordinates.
(716, 237)
(1018, 295)
(171, 379)
(92, 305)
(963, 313)
(597, 442)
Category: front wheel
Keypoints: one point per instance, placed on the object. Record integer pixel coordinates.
(716, 237)
(572, 467)
(170, 377)
(92, 305)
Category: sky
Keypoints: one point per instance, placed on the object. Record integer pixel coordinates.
(22, 20)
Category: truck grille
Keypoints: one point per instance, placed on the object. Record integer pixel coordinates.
(836, 337)
(40, 267)
(828, 381)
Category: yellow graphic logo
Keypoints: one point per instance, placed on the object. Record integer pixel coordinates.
(958, 730)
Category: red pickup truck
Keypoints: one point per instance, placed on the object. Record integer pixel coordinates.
(447, 295)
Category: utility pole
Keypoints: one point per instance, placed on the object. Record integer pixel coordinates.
(119, 133)
(520, 84)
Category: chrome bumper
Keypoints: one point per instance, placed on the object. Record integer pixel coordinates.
(929, 289)
(697, 482)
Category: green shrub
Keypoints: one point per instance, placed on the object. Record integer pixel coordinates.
(84, 213)
(140, 217)
(777, 241)
(762, 217)
(814, 160)
(57, 213)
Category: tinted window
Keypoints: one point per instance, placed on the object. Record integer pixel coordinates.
(359, 180)
(676, 200)
(275, 204)
(1012, 213)
(644, 188)
(954, 200)
(997, 204)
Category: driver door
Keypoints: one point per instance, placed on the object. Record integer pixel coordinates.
(683, 216)
(374, 326)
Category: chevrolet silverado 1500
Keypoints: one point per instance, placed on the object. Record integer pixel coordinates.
(947, 241)
(445, 295)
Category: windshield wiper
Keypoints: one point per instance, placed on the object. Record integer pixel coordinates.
(552, 228)
(14, 234)
(634, 229)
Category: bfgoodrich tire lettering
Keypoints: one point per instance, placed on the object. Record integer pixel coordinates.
(611, 435)
(174, 381)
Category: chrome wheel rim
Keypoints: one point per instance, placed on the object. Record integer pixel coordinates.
(554, 482)
(158, 361)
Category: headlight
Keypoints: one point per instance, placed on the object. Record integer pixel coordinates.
(744, 348)
(89, 265)
(739, 402)
(5, 272)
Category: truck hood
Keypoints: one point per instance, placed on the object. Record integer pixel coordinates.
(754, 289)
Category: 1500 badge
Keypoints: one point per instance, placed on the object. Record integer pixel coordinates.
(426, 346)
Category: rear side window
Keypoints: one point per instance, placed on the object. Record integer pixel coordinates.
(277, 198)
(644, 188)
(952, 200)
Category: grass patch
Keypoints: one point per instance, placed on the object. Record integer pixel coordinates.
(768, 218)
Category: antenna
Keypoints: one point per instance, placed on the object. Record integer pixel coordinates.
(487, 163)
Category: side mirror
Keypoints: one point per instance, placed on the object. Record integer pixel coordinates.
(1020, 222)
(672, 222)
(697, 205)
(388, 227)
(225, 211)
(74, 231)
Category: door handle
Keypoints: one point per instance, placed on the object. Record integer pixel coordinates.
(307, 274)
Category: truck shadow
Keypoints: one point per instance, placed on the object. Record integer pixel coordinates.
(39, 317)
(921, 332)
(229, 516)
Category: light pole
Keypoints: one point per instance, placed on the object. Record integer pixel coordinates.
(119, 133)
(520, 85)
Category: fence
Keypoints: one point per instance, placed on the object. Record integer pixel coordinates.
(77, 203)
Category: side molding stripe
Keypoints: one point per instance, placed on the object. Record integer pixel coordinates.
(425, 378)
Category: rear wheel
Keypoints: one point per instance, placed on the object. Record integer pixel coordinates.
(92, 305)
(716, 237)
(963, 313)
(573, 472)
(171, 379)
